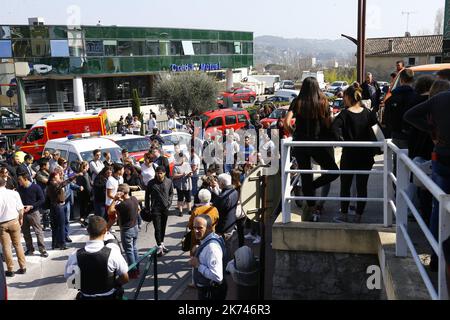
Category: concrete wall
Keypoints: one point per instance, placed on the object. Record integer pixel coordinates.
(382, 67)
(329, 261)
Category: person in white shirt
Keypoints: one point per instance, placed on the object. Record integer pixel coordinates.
(207, 261)
(136, 126)
(96, 165)
(11, 219)
(113, 184)
(268, 149)
(148, 168)
(195, 167)
(231, 149)
(94, 268)
(151, 124)
(173, 124)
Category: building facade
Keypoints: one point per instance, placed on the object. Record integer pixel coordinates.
(382, 53)
(47, 68)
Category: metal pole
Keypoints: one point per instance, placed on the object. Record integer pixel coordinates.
(361, 39)
(262, 249)
(155, 274)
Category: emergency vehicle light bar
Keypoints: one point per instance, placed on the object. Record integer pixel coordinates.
(84, 135)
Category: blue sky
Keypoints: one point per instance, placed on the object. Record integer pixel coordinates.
(287, 18)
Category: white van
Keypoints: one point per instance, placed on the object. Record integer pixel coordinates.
(80, 147)
(285, 93)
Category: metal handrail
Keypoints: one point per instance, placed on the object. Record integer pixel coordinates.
(151, 256)
(397, 205)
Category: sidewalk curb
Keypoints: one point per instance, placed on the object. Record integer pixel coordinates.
(182, 288)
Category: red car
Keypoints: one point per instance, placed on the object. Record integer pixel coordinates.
(244, 94)
(224, 119)
(279, 113)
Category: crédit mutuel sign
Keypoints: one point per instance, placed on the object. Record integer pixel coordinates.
(195, 67)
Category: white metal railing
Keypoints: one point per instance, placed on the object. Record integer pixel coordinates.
(394, 203)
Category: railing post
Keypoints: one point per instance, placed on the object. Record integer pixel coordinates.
(444, 234)
(401, 248)
(155, 274)
(285, 182)
(388, 192)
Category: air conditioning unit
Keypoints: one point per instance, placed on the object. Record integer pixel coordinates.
(36, 21)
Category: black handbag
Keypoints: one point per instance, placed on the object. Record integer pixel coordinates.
(146, 215)
(186, 241)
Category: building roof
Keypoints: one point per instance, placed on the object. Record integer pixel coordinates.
(404, 46)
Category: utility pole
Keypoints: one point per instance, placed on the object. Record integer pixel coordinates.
(361, 52)
(407, 13)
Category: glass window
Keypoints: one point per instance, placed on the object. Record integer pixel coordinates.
(39, 32)
(58, 32)
(40, 48)
(21, 48)
(237, 48)
(152, 48)
(188, 49)
(59, 48)
(5, 49)
(138, 48)
(215, 122)
(175, 48)
(124, 48)
(36, 134)
(247, 48)
(213, 48)
(72, 157)
(76, 48)
(5, 32)
(242, 118)
(110, 47)
(94, 48)
(226, 47)
(115, 154)
(230, 120)
(134, 145)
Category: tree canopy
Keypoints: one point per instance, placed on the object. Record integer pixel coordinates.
(187, 92)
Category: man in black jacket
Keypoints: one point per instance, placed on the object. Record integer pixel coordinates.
(402, 99)
(160, 160)
(158, 198)
(371, 91)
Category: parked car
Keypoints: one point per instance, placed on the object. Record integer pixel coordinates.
(279, 113)
(426, 69)
(176, 142)
(241, 94)
(337, 106)
(286, 93)
(3, 285)
(337, 86)
(277, 99)
(137, 146)
(287, 84)
(224, 119)
(79, 147)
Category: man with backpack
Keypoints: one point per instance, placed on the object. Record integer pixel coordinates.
(208, 261)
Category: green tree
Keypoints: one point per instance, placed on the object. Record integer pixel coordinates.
(136, 108)
(187, 92)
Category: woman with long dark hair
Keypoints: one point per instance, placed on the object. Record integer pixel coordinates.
(312, 123)
(354, 124)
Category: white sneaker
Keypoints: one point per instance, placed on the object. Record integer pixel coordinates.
(249, 236)
(257, 240)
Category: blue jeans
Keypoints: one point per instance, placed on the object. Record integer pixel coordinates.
(99, 209)
(228, 168)
(194, 185)
(67, 208)
(129, 238)
(58, 217)
(441, 176)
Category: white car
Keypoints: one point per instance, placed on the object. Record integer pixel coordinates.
(137, 146)
(176, 142)
(337, 86)
(80, 147)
